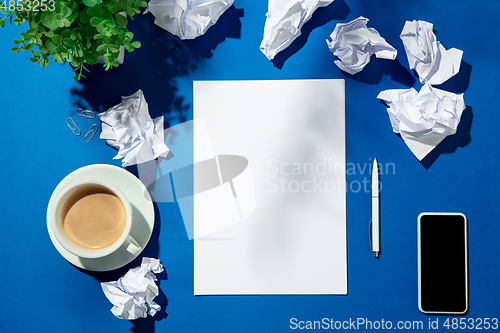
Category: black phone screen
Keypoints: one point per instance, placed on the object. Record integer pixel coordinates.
(443, 263)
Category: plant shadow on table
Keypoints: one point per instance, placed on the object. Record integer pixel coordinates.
(338, 10)
(228, 26)
(457, 84)
(154, 68)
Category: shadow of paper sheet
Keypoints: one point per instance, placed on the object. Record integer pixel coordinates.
(221, 185)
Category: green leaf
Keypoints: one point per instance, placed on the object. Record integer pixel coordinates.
(65, 33)
(101, 47)
(90, 3)
(79, 33)
(130, 12)
(74, 7)
(99, 36)
(2, 22)
(18, 41)
(57, 39)
(31, 31)
(99, 28)
(136, 44)
(66, 22)
(128, 47)
(43, 49)
(108, 23)
(96, 11)
(94, 21)
(60, 20)
(48, 20)
(114, 5)
(121, 20)
(69, 42)
(50, 46)
(90, 31)
(58, 58)
(113, 48)
(79, 52)
(85, 17)
(49, 34)
(90, 58)
(15, 49)
(60, 49)
(115, 31)
(44, 62)
(66, 11)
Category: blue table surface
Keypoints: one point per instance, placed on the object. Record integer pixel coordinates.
(42, 292)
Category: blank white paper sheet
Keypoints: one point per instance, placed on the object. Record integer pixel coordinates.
(286, 140)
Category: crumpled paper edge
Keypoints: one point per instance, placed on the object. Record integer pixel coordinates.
(435, 67)
(156, 141)
(133, 308)
(186, 22)
(422, 145)
(289, 24)
(377, 45)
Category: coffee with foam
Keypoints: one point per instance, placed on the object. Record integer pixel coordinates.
(93, 217)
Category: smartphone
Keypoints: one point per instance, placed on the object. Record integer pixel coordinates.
(442, 263)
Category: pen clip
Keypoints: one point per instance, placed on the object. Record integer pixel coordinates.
(370, 231)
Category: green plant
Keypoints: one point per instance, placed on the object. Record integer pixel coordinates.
(74, 31)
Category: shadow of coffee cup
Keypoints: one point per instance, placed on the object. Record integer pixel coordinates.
(92, 219)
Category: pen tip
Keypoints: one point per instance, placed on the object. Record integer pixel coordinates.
(376, 255)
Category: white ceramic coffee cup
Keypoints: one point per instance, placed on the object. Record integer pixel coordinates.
(55, 220)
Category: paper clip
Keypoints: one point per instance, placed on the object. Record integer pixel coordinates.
(72, 126)
(92, 131)
(85, 113)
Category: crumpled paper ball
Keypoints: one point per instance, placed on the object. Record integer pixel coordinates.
(354, 43)
(425, 118)
(132, 295)
(187, 19)
(129, 127)
(284, 22)
(432, 62)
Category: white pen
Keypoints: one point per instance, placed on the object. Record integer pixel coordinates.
(375, 225)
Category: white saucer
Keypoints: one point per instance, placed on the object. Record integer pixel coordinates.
(143, 215)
